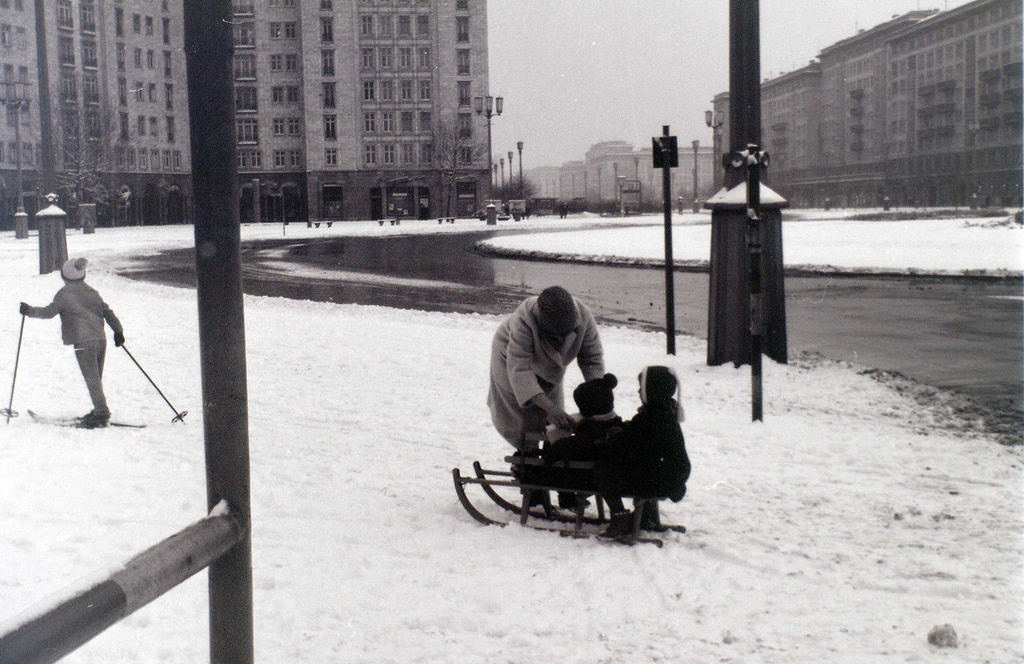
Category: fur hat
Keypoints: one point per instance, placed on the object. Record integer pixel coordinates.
(74, 269)
(556, 311)
(595, 397)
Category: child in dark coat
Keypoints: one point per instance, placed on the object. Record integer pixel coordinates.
(647, 457)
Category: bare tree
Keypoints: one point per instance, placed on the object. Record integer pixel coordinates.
(455, 155)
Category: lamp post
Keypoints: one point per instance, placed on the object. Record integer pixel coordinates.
(519, 145)
(509, 193)
(501, 162)
(714, 119)
(15, 96)
(696, 145)
(488, 107)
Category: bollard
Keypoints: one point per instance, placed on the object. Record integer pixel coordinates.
(53, 243)
(492, 215)
(20, 225)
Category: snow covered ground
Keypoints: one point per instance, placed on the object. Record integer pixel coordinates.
(841, 529)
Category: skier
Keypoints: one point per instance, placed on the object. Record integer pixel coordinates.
(82, 312)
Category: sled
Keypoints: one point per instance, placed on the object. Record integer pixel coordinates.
(535, 480)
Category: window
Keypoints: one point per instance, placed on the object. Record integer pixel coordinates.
(328, 93)
(291, 61)
(166, 30)
(66, 47)
(424, 58)
(136, 23)
(462, 5)
(404, 58)
(385, 58)
(294, 127)
(250, 159)
(275, 30)
(331, 127)
(143, 159)
(464, 93)
(367, 58)
(88, 10)
(331, 156)
(326, 5)
(462, 28)
(151, 92)
(425, 121)
(422, 25)
(406, 122)
(277, 126)
(426, 153)
(121, 57)
(405, 26)
(384, 25)
(65, 15)
(405, 90)
(177, 160)
(465, 125)
(170, 129)
(387, 90)
(137, 58)
(465, 156)
(122, 91)
(290, 30)
(245, 99)
(167, 64)
(425, 89)
(369, 123)
(387, 121)
(276, 62)
(119, 22)
(244, 34)
(389, 153)
(68, 85)
(245, 66)
(292, 92)
(247, 131)
(149, 25)
(150, 59)
(327, 62)
(140, 125)
(462, 60)
(295, 157)
(277, 94)
(369, 90)
(153, 126)
(326, 29)
(169, 96)
(279, 158)
(370, 154)
(123, 125)
(408, 153)
(366, 26)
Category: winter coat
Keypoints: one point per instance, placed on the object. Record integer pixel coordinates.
(82, 312)
(524, 364)
(585, 442)
(648, 456)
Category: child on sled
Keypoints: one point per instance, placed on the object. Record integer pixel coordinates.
(645, 456)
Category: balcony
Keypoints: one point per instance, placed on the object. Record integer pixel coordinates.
(989, 75)
(989, 99)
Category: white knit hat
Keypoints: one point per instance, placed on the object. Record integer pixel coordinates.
(74, 269)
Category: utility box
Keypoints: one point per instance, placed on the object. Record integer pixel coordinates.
(53, 243)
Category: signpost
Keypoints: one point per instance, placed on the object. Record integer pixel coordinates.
(665, 151)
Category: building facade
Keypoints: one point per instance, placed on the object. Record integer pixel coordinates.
(356, 109)
(107, 120)
(924, 109)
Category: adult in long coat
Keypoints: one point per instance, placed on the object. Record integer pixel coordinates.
(529, 355)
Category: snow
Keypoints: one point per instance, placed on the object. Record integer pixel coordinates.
(843, 528)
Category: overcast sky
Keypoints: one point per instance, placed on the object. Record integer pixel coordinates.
(577, 72)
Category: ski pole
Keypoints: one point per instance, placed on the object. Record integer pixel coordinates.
(17, 356)
(178, 416)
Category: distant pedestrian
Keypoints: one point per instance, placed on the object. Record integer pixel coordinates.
(529, 355)
(82, 312)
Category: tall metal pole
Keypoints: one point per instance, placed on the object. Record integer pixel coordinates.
(519, 145)
(696, 145)
(670, 290)
(208, 47)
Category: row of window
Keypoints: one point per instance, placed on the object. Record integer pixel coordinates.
(383, 25)
(245, 64)
(139, 91)
(144, 159)
(137, 24)
(385, 122)
(11, 36)
(18, 4)
(28, 153)
(373, 154)
(137, 60)
(141, 122)
(384, 90)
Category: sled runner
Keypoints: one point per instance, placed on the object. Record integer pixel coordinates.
(536, 479)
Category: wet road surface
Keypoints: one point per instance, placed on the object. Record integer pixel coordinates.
(957, 334)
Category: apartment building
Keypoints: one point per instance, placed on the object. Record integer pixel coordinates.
(107, 115)
(923, 109)
(355, 109)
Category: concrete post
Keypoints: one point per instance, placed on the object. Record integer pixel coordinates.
(53, 243)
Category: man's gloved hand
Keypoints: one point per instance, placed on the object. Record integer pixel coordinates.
(118, 339)
(23, 308)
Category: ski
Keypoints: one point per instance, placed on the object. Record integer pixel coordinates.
(76, 422)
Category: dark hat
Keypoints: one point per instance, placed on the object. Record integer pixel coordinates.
(595, 397)
(556, 311)
(658, 385)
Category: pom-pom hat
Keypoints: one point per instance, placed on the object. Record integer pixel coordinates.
(595, 397)
(74, 269)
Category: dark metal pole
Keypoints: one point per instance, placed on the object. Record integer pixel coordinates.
(756, 301)
(208, 47)
(670, 305)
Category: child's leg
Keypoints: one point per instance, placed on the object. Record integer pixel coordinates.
(90, 360)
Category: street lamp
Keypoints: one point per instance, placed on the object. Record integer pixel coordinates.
(501, 161)
(715, 120)
(519, 145)
(695, 144)
(509, 193)
(15, 96)
(488, 107)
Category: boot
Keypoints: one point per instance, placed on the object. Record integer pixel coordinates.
(94, 420)
(650, 519)
(620, 527)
